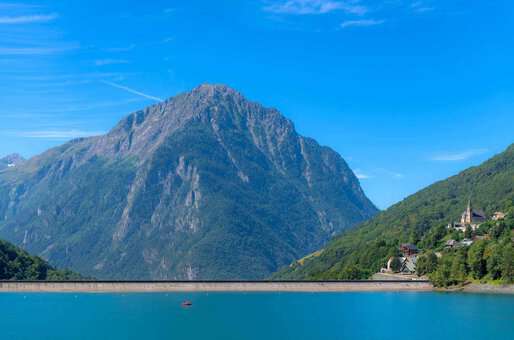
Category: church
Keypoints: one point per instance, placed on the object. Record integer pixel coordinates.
(470, 217)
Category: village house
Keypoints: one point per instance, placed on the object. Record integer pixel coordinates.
(450, 244)
(498, 216)
(466, 242)
(407, 261)
(453, 244)
(407, 265)
(408, 249)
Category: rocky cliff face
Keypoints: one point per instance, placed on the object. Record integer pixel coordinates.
(206, 185)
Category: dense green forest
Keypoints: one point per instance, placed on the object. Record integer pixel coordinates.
(17, 264)
(422, 219)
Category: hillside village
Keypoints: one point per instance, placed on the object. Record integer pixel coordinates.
(460, 234)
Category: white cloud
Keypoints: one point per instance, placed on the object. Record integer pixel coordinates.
(305, 7)
(28, 19)
(361, 23)
(103, 62)
(128, 89)
(57, 134)
(457, 156)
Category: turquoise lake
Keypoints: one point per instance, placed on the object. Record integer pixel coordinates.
(256, 316)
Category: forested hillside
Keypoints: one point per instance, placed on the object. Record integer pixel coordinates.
(17, 264)
(490, 258)
(422, 219)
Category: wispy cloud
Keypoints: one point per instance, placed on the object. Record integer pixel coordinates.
(62, 77)
(361, 23)
(389, 173)
(103, 62)
(397, 175)
(457, 156)
(128, 89)
(16, 6)
(378, 173)
(27, 19)
(309, 7)
(10, 51)
(65, 108)
(421, 7)
(56, 134)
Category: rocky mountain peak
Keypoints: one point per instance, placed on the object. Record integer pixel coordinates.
(214, 105)
(214, 89)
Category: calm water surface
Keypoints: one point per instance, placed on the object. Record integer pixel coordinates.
(257, 316)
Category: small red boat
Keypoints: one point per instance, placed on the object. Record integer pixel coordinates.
(186, 303)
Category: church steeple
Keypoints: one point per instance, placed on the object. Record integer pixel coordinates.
(467, 217)
(469, 213)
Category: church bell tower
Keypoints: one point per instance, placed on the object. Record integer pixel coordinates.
(467, 217)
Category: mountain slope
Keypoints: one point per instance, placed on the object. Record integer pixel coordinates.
(418, 218)
(206, 185)
(16, 264)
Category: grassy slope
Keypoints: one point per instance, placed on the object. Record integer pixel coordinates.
(361, 252)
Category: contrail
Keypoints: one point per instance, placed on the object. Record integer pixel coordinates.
(128, 89)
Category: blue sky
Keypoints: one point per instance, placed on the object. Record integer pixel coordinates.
(408, 92)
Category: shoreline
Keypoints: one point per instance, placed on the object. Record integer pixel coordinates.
(265, 286)
(488, 289)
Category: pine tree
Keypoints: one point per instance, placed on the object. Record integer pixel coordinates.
(494, 261)
(508, 263)
(396, 264)
(426, 264)
(476, 261)
(442, 276)
(459, 270)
